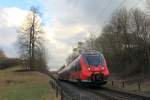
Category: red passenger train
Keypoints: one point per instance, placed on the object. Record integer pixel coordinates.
(88, 67)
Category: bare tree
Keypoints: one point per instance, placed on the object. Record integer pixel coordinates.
(30, 39)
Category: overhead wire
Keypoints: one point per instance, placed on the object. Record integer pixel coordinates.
(136, 4)
(118, 7)
(103, 11)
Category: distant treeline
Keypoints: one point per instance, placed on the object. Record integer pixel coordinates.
(125, 42)
(9, 62)
(6, 62)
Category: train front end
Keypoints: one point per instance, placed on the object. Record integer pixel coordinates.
(94, 68)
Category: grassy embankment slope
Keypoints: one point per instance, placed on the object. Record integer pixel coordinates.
(24, 85)
(130, 84)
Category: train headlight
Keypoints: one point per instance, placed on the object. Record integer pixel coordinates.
(89, 68)
(102, 68)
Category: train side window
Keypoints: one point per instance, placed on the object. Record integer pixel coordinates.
(75, 68)
(79, 66)
(72, 66)
(75, 65)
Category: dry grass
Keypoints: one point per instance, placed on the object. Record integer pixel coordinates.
(24, 85)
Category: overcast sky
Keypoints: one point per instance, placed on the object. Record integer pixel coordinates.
(65, 22)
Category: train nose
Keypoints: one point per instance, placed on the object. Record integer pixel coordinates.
(96, 69)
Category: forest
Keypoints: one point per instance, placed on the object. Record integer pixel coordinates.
(125, 42)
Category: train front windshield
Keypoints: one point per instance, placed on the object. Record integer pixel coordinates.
(94, 59)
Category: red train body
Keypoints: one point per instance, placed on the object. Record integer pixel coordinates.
(88, 67)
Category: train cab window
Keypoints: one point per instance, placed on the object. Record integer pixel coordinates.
(94, 59)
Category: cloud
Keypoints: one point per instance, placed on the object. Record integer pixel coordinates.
(12, 16)
(58, 50)
(10, 19)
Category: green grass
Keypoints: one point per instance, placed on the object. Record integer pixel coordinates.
(24, 86)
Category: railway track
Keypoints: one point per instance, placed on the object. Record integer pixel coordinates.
(80, 92)
(117, 95)
(110, 94)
